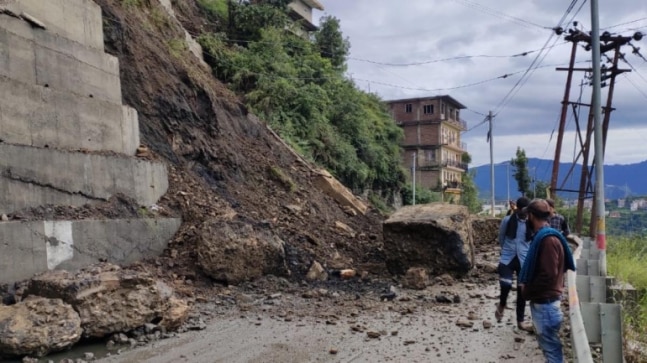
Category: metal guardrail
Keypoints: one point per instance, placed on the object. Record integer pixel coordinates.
(592, 319)
(581, 348)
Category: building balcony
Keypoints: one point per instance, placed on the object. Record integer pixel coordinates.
(460, 124)
(459, 146)
(453, 187)
(433, 165)
(455, 165)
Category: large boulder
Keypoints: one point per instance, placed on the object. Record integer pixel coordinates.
(110, 299)
(233, 251)
(485, 231)
(37, 326)
(435, 236)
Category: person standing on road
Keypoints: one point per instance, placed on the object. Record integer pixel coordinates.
(557, 220)
(541, 280)
(514, 240)
(513, 207)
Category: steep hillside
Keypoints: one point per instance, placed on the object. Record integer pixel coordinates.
(224, 162)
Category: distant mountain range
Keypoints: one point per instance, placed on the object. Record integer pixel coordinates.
(619, 180)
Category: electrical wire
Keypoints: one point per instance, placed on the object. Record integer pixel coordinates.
(625, 23)
(538, 59)
(499, 14)
(522, 54)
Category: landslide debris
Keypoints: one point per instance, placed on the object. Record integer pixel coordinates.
(223, 161)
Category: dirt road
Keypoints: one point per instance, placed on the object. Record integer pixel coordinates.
(337, 327)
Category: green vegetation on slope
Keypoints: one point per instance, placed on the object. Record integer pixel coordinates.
(297, 85)
(626, 261)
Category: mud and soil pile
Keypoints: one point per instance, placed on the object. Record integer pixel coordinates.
(225, 166)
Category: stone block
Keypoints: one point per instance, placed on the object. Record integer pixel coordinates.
(437, 237)
(331, 186)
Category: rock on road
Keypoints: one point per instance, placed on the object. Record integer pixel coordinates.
(411, 328)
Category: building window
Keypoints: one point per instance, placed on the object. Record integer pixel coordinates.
(408, 108)
(428, 109)
(442, 108)
(457, 116)
(431, 155)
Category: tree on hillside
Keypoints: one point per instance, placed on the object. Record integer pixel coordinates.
(470, 196)
(331, 43)
(539, 190)
(520, 165)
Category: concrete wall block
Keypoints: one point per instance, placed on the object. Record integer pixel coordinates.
(30, 248)
(77, 20)
(87, 177)
(59, 64)
(129, 130)
(16, 57)
(65, 72)
(43, 117)
(23, 251)
(16, 195)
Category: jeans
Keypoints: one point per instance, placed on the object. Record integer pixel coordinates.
(505, 281)
(547, 319)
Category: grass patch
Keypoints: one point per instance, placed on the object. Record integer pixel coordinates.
(378, 203)
(626, 261)
(285, 180)
(217, 8)
(160, 18)
(131, 3)
(177, 47)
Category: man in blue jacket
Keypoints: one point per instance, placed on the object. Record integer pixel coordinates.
(514, 238)
(542, 279)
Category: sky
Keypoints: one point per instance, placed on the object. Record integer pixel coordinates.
(484, 40)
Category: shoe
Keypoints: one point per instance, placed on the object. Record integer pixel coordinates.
(525, 326)
(498, 314)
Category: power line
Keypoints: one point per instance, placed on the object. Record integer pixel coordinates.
(477, 125)
(625, 23)
(522, 54)
(499, 14)
(517, 86)
(504, 76)
(624, 59)
(635, 86)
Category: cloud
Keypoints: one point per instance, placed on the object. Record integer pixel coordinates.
(420, 30)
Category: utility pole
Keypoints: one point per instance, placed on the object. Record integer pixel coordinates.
(605, 42)
(562, 121)
(491, 139)
(507, 178)
(413, 178)
(599, 140)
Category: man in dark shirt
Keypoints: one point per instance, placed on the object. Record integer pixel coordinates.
(557, 220)
(542, 279)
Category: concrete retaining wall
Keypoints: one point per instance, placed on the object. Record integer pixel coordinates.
(35, 56)
(43, 117)
(31, 177)
(29, 248)
(78, 20)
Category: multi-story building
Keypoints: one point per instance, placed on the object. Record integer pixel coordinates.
(432, 141)
(301, 13)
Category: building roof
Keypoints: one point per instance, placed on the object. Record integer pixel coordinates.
(315, 4)
(447, 98)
